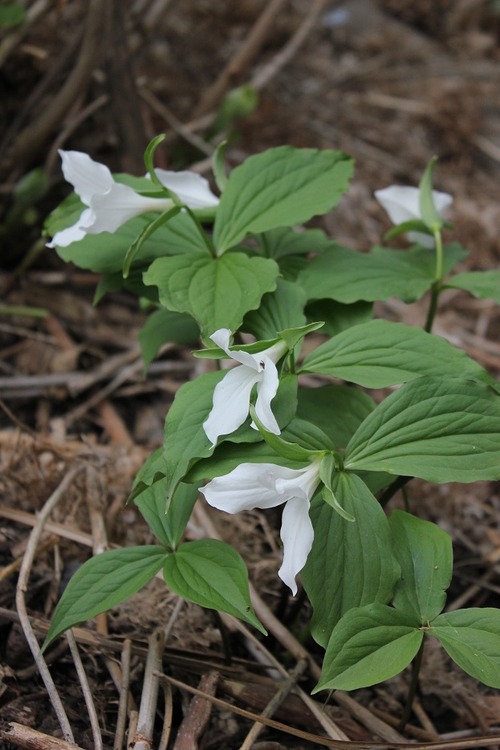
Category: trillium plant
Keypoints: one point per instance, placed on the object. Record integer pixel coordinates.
(330, 437)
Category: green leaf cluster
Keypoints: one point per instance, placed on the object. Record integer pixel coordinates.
(377, 585)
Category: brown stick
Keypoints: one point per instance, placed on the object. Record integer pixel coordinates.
(242, 59)
(33, 137)
(30, 739)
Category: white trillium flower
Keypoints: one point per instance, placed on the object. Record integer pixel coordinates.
(267, 486)
(231, 399)
(110, 204)
(403, 204)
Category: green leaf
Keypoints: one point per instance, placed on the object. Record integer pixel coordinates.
(348, 276)
(185, 439)
(428, 211)
(281, 187)
(438, 430)
(380, 353)
(472, 638)
(227, 456)
(153, 469)
(425, 555)
(368, 645)
(283, 308)
(103, 582)
(147, 232)
(350, 564)
(212, 574)
(282, 242)
(337, 409)
(11, 14)
(148, 161)
(167, 527)
(217, 292)
(290, 450)
(164, 326)
(482, 284)
(337, 316)
(105, 253)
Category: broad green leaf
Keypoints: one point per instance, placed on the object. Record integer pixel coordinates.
(283, 308)
(281, 187)
(292, 451)
(148, 231)
(281, 242)
(217, 292)
(368, 645)
(337, 409)
(472, 638)
(167, 527)
(348, 276)
(228, 455)
(337, 316)
(105, 252)
(185, 440)
(212, 574)
(482, 284)
(442, 430)
(380, 353)
(164, 326)
(350, 564)
(103, 582)
(425, 555)
(153, 469)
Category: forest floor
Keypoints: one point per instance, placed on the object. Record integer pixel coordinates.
(392, 83)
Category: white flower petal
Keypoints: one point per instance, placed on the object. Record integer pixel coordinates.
(266, 391)
(221, 338)
(191, 188)
(246, 487)
(120, 204)
(300, 483)
(231, 403)
(87, 176)
(400, 202)
(297, 534)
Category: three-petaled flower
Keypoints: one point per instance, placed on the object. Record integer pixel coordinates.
(267, 486)
(231, 398)
(402, 204)
(110, 204)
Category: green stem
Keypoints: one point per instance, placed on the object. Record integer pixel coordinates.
(206, 239)
(438, 276)
(431, 313)
(417, 663)
(394, 487)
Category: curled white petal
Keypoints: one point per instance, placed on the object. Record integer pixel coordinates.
(119, 204)
(266, 486)
(402, 203)
(246, 487)
(110, 204)
(266, 391)
(190, 187)
(222, 338)
(231, 403)
(297, 535)
(87, 176)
